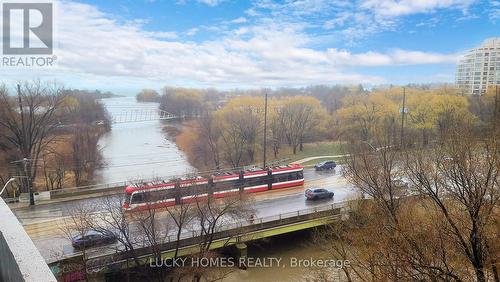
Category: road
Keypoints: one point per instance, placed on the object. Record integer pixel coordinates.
(43, 223)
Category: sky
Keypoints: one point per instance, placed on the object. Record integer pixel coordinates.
(124, 46)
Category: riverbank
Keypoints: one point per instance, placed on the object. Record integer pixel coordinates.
(311, 153)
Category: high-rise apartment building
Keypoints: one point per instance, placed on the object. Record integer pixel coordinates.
(480, 68)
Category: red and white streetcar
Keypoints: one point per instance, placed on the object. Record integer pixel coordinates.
(168, 193)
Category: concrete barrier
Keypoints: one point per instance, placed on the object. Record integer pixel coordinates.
(19, 258)
(39, 196)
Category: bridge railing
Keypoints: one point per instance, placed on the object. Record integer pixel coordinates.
(263, 222)
(74, 191)
(232, 230)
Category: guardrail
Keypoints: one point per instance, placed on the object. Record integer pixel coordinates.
(233, 230)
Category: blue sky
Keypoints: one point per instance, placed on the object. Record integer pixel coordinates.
(123, 46)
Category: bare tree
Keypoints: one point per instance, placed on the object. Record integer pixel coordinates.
(181, 215)
(77, 224)
(113, 219)
(86, 156)
(29, 121)
(299, 115)
(212, 215)
(153, 233)
(210, 132)
(54, 169)
(461, 178)
(374, 171)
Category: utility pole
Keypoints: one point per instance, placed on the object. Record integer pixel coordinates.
(403, 110)
(30, 187)
(27, 176)
(265, 129)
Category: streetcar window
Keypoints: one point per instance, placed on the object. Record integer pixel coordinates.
(287, 176)
(161, 195)
(138, 198)
(254, 181)
(226, 185)
(194, 190)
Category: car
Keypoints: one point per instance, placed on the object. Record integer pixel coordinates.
(400, 183)
(325, 165)
(318, 193)
(92, 239)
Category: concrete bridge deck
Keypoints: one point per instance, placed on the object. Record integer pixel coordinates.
(227, 235)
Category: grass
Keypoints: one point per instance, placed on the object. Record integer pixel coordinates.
(315, 161)
(327, 148)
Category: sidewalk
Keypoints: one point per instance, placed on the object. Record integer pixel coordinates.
(19, 205)
(317, 157)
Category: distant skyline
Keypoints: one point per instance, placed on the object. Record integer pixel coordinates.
(124, 46)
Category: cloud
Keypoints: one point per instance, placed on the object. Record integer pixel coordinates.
(395, 8)
(164, 35)
(396, 57)
(350, 21)
(272, 53)
(211, 2)
(192, 31)
(494, 10)
(239, 20)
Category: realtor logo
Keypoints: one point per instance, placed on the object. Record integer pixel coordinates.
(27, 28)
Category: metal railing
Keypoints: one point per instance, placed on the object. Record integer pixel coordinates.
(233, 230)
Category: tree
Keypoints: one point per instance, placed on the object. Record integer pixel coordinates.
(77, 224)
(86, 155)
(148, 95)
(434, 209)
(29, 121)
(300, 116)
(242, 120)
(461, 178)
(182, 102)
(363, 116)
(212, 215)
(54, 169)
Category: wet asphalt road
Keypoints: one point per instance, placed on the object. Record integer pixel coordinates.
(43, 223)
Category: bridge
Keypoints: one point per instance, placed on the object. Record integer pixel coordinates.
(140, 115)
(106, 261)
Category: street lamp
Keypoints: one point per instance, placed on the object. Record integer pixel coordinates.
(5, 186)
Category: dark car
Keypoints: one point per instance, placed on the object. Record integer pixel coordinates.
(325, 165)
(316, 194)
(92, 239)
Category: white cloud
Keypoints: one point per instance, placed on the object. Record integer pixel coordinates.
(393, 58)
(192, 31)
(211, 2)
(395, 8)
(164, 35)
(239, 20)
(94, 44)
(494, 11)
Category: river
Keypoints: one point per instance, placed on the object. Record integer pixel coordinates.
(140, 150)
(137, 150)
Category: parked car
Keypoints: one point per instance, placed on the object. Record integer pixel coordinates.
(325, 165)
(319, 193)
(92, 239)
(399, 183)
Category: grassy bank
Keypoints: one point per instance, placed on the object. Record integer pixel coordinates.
(325, 148)
(315, 161)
